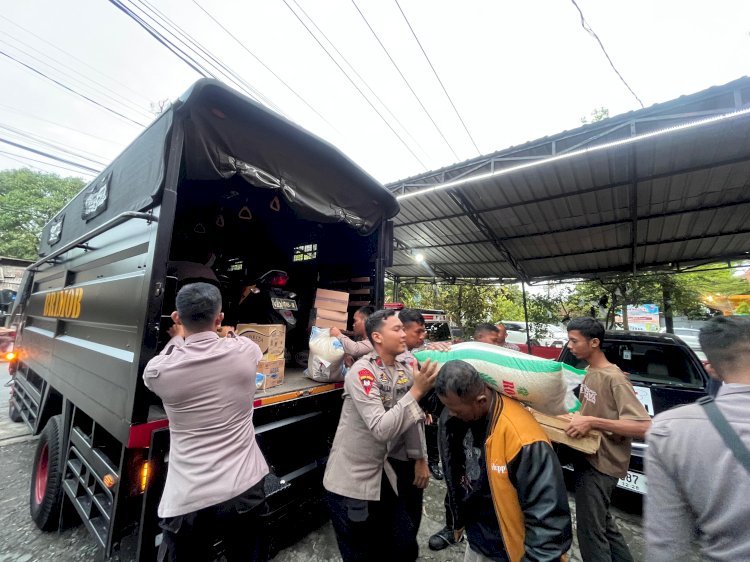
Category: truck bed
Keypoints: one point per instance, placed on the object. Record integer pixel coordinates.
(295, 385)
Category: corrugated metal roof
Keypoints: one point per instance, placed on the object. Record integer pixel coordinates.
(663, 187)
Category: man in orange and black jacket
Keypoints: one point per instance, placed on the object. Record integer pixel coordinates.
(505, 484)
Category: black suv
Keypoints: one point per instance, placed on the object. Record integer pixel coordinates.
(665, 373)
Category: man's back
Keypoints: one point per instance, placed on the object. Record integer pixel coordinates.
(207, 387)
(695, 481)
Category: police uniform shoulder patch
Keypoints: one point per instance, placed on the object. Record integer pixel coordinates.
(366, 378)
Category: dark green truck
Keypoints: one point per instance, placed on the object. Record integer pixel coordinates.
(214, 171)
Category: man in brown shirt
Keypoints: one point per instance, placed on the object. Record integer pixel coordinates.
(608, 404)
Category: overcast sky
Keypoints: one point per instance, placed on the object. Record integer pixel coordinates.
(516, 71)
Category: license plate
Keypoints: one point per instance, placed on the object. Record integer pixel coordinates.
(643, 394)
(284, 304)
(633, 481)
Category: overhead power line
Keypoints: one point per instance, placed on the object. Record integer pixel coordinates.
(591, 32)
(20, 158)
(359, 76)
(74, 76)
(180, 45)
(162, 40)
(57, 124)
(264, 65)
(353, 83)
(408, 85)
(69, 89)
(198, 49)
(41, 39)
(453, 105)
(55, 146)
(47, 155)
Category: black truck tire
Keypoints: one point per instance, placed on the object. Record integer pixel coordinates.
(13, 413)
(45, 497)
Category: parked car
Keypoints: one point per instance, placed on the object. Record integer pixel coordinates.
(547, 335)
(690, 337)
(665, 373)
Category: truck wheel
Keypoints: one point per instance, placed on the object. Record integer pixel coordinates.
(13, 413)
(46, 478)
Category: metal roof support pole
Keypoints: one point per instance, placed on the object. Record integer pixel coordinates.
(632, 171)
(526, 317)
(396, 288)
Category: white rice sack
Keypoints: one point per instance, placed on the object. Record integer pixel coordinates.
(543, 384)
(326, 360)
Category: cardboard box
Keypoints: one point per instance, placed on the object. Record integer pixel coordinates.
(269, 337)
(269, 374)
(322, 323)
(333, 315)
(555, 426)
(362, 291)
(331, 300)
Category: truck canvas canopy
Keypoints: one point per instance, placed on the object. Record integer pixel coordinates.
(226, 134)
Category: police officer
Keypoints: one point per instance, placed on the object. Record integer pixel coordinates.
(380, 405)
(214, 486)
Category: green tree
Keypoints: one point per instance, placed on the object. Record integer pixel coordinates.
(598, 114)
(28, 200)
(686, 292)
(466, 305)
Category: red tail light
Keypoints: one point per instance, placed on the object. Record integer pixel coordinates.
(279, 280)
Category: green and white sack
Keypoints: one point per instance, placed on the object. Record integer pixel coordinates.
(543, 384)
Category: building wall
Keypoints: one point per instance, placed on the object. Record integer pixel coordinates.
(11, 271)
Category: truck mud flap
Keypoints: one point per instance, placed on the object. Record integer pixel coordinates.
(84, 485)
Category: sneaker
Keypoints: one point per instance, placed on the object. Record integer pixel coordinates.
(443, 539)
(437, 472)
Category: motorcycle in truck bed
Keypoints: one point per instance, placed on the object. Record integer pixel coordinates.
(216, 180)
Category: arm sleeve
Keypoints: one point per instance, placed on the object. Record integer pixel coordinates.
(365, 394)
(538, 478)
(416, 444)
(152, 368)
(668, 519)
(356, 349)
(451, 434)
(628, 405)
(176, 341)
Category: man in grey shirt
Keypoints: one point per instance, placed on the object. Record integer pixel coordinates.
(697, 488)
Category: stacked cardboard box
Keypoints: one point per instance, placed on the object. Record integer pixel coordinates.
(271, 339)
(331, 309)
(555, 426)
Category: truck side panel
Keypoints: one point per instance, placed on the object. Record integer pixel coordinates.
(84, 317)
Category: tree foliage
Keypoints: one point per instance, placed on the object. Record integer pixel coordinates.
(685, 292)
(28, 200)
(466, 305)
(597, 114)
